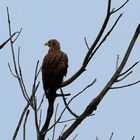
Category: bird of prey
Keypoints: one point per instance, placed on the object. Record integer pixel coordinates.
(54, 68)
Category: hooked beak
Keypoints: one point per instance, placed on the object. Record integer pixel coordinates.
(46, 44)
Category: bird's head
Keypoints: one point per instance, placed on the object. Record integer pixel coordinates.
(53, 44)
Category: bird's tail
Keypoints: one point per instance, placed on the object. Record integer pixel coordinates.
(50, 94)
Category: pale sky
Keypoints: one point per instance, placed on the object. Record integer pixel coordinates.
(70, 22)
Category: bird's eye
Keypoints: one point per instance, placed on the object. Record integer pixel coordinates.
(49, 43)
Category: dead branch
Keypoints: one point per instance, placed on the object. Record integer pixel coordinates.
(75, 137)
(125, 76)
(34, 89)
(92, 50)
(17, 67)
(95, 102)
(20, 121)
(24, 125)
(129, 69)
(36, 115)
(3, 44)
(40, 117)
(124, 86)
(86, 43)
(55, 115)
(50, 111)
(68, 108)
(104, 38)
(58, 120)
(114, 11)
(111, 136)
(117, 62)
(41, 102)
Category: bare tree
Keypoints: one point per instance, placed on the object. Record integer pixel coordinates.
(32, 101)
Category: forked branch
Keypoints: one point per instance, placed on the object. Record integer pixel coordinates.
(95, 46)
(4, 43)
(95, 102)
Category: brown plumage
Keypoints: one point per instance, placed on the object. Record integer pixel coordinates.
(54, 68)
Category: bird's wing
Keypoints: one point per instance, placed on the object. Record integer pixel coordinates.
(54, 67)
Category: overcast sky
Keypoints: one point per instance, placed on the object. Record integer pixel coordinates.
(70, 22)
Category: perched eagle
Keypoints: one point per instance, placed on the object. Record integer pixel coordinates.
(54, 68)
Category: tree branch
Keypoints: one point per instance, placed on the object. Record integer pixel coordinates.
(83, 67)
(128, 85)
(92, 50)
(3, 44)
(95, 102)
(36, 115)
(114, 11)
(124, 76)
(111, 136)
(24, 125)
(117, 62)
(86, 43)
(34, 89)
(129, 69)
(50, 111)
(66, 105)
(54, 121)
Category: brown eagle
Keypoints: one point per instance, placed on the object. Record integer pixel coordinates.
(54, 68)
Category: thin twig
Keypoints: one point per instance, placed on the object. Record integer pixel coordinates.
(75, 137)
(118, 80)
(17, 36)
(40, 117)
(55, 115)
(36, 115)
(73, 119)
(64, 100)
(3, 44)
(24, 125)
(28, 104)
(86, 43)
(35, 86)
(63, 129)
(111, 136)
(129, 68)
(65, 121)
(41, 102)
(57, 120)
(105, 37)
(93, 82)
(114, 11)
(124, 86)
(11, 42)
(17, 68)
(14, 75)
(20, 121)
(117, 62)
(24, 91)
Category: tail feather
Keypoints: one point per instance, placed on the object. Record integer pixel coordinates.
(50, 94)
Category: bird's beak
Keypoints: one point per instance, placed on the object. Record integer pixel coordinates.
(46, 44)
